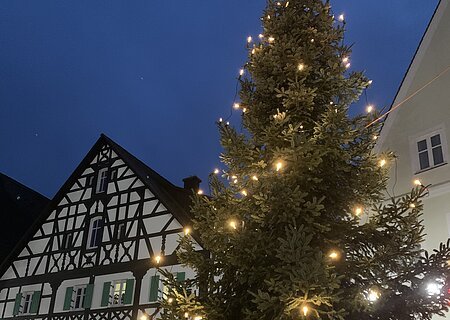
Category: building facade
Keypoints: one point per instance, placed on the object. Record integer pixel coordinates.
(92, 252)
(417, 128)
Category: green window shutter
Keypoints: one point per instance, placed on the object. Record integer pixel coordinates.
(88, 297)
(181, 276)
(17, 303)
(154, 288)
(128, 297)
(105, 294)
(35, 299)
(68, 298)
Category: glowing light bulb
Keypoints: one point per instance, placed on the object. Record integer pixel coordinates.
(170, 300)
(370, 82)
(382, 162)
(278, 165)
(249, 39)
(253, 51)
(144, 317)
(373, 295)
(158, 259)
(345, 59)
(369, 108)
(186, 315)
(358, 210)
(417, 182)
(228, 123)
(241, 72)
(187, 230)
(200, 191)
(271, 39)
(412, 205)
(232, 224)
(216, 171)
(268, 16)
(260, 36)
(244, 193)
(305, 310)
(220, 119)
(233, 177)
(244, 110)
(341, 17)
(198, 318)
(301, 67)
(347, 65)
(254, 178)
(434, 288)
(333, 255)
(236, 105)
(312, 40)
(375, 137)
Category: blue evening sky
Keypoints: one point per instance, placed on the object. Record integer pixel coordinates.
(154, 76)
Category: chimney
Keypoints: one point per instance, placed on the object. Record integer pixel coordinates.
(192, 183)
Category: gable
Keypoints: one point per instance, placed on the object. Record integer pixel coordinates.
(139, 219)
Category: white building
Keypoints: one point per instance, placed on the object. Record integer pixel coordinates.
(92, 252)
(418, 130)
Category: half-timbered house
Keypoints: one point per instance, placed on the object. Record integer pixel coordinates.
(92, 252)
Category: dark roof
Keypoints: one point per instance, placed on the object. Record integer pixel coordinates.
(19, 208)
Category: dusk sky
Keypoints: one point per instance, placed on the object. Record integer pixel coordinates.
(154, 76)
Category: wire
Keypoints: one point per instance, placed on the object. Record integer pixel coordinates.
(409, 97)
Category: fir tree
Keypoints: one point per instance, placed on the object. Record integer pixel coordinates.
(296, 226)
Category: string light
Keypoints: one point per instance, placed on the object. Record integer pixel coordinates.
(341, 18)
(305, 310)
(268, 16)
(144, 317)
(158, 259)
(198, 318)
(417, 182)
(333, 255)
(278, 165)
(228, 123)
(375, 137)
(241, 72)
(187, 230)
(369, 108)
(253, 51)
(200, 192)
(186, 315)
(220, 119)
(244, 110)
(170, 300)
(249, 39)
(358, 211)
(382, 162)
(347, 65)
(216, 171)
(301, 67)
(412, 205)
(260, 36)
(345, 60)
(373, 295)
(244, 193)
(233, 224)
(236, 105)
(254, 178)
(370, 82)
(271, 39)
(434, 288)
(312, 40)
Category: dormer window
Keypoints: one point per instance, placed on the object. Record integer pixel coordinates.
(430, 151)
(102, 180)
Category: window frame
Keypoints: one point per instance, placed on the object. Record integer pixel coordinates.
(24, 300)
(427, 135)
(122, 289)
(83, 288)
(97, 228)
(102, 180)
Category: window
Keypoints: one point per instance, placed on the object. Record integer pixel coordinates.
(79, 297)
(430, 151)
(27, 303)
(67, 241)
(95, 232)
(118, 292)
(102, 180)
(120, 231)
(27, 299)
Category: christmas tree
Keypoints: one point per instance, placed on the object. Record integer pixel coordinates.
(296, 226)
